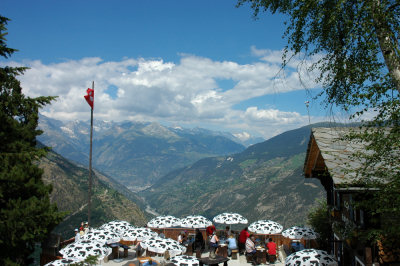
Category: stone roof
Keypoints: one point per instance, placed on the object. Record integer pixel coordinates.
(334, 154)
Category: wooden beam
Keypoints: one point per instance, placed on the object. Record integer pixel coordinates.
(311, 157)
(319, 163)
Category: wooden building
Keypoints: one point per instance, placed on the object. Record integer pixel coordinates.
(330, 159)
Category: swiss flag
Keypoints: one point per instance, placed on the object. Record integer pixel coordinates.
(90, 97)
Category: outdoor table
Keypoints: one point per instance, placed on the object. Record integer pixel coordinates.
(222, 250)
(115, 250)
(261, 256)
(213, 262)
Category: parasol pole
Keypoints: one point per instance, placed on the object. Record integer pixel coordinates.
(90, 162)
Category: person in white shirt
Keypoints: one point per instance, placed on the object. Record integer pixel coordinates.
(77, 235)
(181, 237)
(213, 245)
(86, 228)
(251, 248)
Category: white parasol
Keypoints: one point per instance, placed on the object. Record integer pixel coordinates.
(184, 260)
(297, 232)
(160, 245)
(61, 262)
(137, 233)
(164, 222)
(195, 221)
(265, 227)
(116, 226)
(84, 248)
(230, 218)
(103, 236)
(308, 257)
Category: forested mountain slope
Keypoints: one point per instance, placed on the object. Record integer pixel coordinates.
(263, 182)
(70, 193)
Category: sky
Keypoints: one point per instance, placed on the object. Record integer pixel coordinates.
(181, 63)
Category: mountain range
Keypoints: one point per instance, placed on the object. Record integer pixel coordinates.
(136, 154)
(265, 181)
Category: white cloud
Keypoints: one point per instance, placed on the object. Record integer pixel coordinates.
(271, 116)
(185, 92)
(243, 136)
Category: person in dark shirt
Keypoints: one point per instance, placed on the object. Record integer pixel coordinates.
(198, 241)
(227, 232)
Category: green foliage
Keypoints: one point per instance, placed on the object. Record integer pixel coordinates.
(247, 163)
(344, 37)
(355, 51)
(26, 213)
(70, 190)
(90, 260)
(318, 218)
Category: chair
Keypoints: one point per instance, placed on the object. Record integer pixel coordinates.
(198, 253)
(251, 258)
(189, 250)
(234, 254)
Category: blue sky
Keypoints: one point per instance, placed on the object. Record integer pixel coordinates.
(187, 63)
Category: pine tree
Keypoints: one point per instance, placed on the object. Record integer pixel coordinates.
(26, 214)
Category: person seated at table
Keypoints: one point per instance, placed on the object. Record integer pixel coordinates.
(185, 237)
(209, 231)
(149, 263)
(296, 246)
(271, 247)
(181, 237)
(213, 245)
(231, 241)
(227, 232)
(251, 248)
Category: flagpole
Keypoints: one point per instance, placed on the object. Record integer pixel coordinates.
(90, 163)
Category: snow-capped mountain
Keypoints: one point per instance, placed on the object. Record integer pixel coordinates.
(135, 153)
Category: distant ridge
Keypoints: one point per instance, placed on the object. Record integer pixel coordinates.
(135, 154)
(265, 181)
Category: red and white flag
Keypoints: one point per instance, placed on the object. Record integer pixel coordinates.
(90, 97)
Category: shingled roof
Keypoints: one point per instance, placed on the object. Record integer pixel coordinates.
(329, 152)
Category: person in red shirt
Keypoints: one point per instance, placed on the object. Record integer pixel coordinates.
(210, 230)
(271, 247)
(244, 234)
